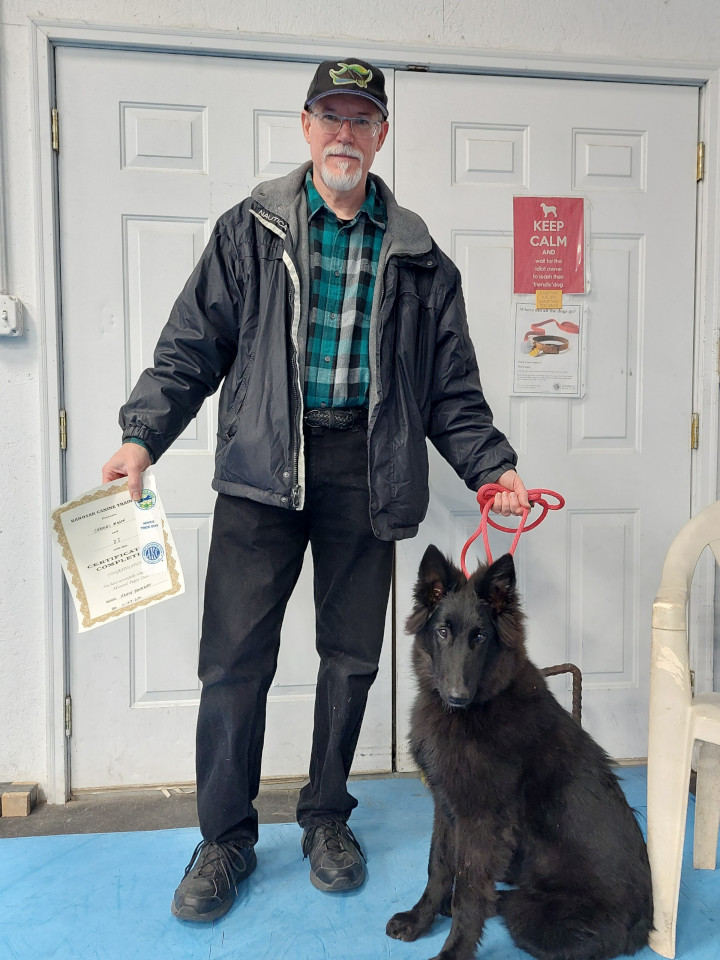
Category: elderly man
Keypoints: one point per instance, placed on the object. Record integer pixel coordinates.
(337, 328)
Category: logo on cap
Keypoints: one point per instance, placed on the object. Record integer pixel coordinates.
(351, 73)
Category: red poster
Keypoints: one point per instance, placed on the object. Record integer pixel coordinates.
(549, 244)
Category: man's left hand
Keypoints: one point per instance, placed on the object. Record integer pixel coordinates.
(515, 500)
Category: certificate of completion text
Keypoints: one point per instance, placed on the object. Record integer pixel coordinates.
(118, 554)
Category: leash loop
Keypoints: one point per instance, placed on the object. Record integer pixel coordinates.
(485, 498)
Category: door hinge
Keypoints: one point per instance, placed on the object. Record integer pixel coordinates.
(68, 716)
(695, 431)
(700, 172)
(63, 430)
(55, 127)
(692, 682)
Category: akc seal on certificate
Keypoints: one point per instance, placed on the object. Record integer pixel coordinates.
(118, 554)
(152, 553)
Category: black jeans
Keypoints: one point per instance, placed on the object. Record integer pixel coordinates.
(255, 559)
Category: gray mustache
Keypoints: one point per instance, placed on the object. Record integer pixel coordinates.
(344, 152)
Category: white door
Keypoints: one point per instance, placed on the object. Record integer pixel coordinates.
(465, 146)
(154, 147)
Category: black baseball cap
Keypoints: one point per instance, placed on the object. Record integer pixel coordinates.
(348, 76)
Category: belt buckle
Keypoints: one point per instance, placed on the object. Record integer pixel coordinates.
(318, 419)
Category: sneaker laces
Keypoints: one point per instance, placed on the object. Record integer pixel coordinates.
(333, 833)
(208, 853)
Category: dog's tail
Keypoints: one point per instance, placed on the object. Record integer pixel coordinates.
(560, 925)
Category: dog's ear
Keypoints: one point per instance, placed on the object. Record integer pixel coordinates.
(497, 585)
(436, 577)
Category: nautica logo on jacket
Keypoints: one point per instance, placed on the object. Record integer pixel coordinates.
(271, 218)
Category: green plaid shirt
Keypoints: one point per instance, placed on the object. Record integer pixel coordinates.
(343, 264)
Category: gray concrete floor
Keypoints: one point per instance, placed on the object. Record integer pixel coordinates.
(112, 811)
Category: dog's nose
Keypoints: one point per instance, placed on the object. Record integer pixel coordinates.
(454, 700)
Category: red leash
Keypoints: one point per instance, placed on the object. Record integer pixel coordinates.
(486, 496)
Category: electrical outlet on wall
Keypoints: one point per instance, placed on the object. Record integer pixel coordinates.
(11, 320)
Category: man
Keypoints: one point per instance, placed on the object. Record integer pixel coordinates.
(338, 330)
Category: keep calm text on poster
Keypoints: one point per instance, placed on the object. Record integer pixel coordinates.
(549, 244)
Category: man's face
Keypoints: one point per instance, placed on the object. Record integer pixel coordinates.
(342, 159)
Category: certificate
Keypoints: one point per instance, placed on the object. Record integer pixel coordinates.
(118, 554)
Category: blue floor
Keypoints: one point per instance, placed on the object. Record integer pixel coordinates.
(107, 896)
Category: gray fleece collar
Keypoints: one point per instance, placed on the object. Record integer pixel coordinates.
(406, 234)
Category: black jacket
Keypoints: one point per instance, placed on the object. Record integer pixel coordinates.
(241, 319)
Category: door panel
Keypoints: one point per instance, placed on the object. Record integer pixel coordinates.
(154, 148)
(620, 454)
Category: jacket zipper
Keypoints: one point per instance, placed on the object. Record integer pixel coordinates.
(280, 228)
(296, 492)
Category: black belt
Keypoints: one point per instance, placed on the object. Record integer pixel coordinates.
(337, 418)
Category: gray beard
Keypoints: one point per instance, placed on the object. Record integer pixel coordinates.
(342, 182)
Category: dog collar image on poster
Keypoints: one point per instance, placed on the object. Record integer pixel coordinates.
(486, 496)
(538, 341)
(538, 345)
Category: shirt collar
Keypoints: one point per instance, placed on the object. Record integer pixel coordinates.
(373, 207)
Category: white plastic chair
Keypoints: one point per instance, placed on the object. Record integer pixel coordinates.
(677, 720)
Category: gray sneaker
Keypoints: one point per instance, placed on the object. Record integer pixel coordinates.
(209, 886)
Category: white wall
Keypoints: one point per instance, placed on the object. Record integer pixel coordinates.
(662, 30)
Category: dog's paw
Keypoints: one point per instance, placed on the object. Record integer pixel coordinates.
(407, 926)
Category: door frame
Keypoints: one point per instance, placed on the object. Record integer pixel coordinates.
(46, 35)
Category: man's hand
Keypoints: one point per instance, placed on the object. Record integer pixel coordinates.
(515, 500)
(130, 461)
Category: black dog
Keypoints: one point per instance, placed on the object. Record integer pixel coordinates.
(522, 794)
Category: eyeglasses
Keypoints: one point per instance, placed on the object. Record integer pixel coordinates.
(361, 127)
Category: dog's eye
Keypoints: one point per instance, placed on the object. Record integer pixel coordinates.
(441, 632)
(476, 639)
